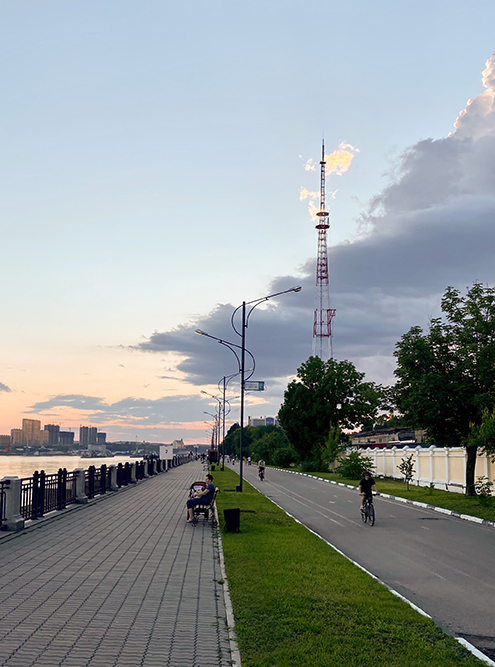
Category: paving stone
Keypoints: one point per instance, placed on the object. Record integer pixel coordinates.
(122, 581)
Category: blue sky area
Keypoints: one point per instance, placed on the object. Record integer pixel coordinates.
(151, 167)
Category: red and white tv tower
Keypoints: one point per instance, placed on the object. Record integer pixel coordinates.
(322, 329)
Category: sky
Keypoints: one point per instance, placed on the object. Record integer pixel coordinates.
(153, 157)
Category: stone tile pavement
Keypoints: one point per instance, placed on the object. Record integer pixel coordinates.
(120, 582)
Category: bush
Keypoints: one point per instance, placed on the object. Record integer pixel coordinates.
(311, 465)
(484, 491)
(284, 457)
(354, 465)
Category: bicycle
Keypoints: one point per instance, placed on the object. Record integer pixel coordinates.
(368, 511)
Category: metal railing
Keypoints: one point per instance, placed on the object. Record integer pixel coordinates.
(2, 506)
(44, 493)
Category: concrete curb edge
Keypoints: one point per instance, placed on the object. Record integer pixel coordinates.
(234, 649)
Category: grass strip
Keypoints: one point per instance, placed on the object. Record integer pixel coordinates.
(298, 602)
(457, 502)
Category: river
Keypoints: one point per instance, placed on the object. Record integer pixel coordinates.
(24, 466)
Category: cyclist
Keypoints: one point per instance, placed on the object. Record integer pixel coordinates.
(261, 469)
(365, 488)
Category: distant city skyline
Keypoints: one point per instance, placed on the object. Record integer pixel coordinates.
(154, 157)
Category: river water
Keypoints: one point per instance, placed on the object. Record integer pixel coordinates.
(24, 466)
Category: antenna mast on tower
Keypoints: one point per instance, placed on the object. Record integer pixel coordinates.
(322, 329)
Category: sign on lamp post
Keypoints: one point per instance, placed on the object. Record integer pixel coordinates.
(254, 386)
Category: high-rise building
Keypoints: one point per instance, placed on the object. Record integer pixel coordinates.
(16, 437)
(53, 433)
(101, 438)
(44, 438)
(83, 437)
(66, 438)
(31, 432)
(92, 431)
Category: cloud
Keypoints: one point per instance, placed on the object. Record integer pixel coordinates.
(164, 411)
(3, 387)
(432, 226)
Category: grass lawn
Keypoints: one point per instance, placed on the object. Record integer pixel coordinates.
(457, 502)
(297, 602)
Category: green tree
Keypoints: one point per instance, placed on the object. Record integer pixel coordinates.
(323, 396)
(446, 377)
(231, 440)
(482, 436)
(406, 468)
(333, 446)
(354, 465)
(273, 447)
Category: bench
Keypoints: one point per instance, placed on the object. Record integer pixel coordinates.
(206, 510)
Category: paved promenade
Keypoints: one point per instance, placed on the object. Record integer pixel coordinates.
(121, 582)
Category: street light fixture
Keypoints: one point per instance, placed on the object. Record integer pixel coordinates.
(242, 361)
(216, 425)
(219, 413)
(226, 379)
(242, 334)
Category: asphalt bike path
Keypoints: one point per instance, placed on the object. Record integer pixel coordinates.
(442, 564)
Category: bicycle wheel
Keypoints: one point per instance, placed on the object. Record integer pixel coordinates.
(372, 514)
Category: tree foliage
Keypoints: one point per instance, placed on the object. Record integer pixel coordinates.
(325, 396)
(446, 377)
(261, 442)
(482, 435)
(354, 465)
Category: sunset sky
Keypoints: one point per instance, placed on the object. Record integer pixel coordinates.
(155, 163)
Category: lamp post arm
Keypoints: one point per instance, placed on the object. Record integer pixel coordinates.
(256, 302)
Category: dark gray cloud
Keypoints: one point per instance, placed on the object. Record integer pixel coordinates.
(432, 226)
(3, 387)
(131, 411)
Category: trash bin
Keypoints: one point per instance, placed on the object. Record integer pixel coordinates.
(232, 520)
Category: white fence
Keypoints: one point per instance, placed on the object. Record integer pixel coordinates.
(445, 468)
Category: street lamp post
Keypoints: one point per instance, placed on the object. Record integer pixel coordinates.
(242, 361)
(219, 413)
(216, 426)
(231, 347)
(242, 334)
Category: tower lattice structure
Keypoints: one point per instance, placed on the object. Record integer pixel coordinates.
(322, 328)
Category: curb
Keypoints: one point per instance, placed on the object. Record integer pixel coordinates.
(234, 649)
(416, 503)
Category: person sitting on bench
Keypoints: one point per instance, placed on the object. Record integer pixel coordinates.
(201, 497)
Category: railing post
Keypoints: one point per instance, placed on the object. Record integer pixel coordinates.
(133, 472)
(35, 495)
(113, 478)
(145, 470)
(103, 479)
(13, 517)
(91, 482)
(61, 488)
(81, 496)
